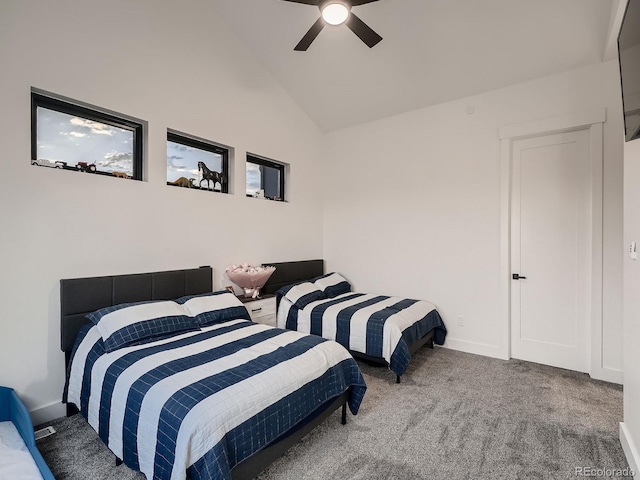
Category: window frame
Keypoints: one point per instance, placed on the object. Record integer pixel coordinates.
(208, 146)
(94, 114)
(263, 162)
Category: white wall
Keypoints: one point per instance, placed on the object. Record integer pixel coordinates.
(176, 65)
(630, 429)
(413, 203)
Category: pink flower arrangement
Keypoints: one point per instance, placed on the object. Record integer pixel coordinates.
(250, 278)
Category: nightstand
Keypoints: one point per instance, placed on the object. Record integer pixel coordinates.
(261, 310)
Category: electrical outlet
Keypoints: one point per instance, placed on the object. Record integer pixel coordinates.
(460, 321)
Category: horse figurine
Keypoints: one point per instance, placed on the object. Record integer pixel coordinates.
(210, 175)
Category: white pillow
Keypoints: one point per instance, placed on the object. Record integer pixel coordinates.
(333, 284)
(128, 323)
(303, 294)
(215, 307)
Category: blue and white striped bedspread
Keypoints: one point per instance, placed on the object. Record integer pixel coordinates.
(196, 404)
(376, 325)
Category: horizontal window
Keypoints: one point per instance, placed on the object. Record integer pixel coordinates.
(198, 164)
(73, 137)
(265, 178)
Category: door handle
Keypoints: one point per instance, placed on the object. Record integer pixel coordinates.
(516, 276)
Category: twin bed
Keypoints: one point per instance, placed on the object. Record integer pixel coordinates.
(179, 383)
(377, 328)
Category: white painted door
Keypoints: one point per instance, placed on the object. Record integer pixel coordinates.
(551, 247)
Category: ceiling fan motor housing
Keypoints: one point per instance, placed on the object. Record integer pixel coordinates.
(324, 3)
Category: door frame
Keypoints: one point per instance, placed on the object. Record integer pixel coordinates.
(592, 121)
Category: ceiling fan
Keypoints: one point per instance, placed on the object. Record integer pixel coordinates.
(337, 12)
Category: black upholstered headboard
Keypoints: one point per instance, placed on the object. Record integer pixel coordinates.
(292, 272)
(80, 296)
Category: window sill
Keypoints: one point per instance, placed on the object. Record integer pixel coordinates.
(266, 198)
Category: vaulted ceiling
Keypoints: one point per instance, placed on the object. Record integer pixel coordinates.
(432, 50)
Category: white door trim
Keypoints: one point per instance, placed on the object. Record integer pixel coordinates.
(590, 120)
(562, 123)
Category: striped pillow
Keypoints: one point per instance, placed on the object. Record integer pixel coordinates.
(129, 323)
(216, 307)
(332, 284)
(302, 294)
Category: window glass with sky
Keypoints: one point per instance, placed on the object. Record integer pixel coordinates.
(265, 178)
(196, 163)
(74, 137)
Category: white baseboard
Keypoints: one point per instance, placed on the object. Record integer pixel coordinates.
(48, 413)
(607, 374)
(629, 448)
(474, 347)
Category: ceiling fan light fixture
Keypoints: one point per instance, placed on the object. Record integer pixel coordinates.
(335, 13)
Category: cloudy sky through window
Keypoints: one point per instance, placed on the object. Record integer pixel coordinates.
(182, 161)
(73, 139)
(253, 178)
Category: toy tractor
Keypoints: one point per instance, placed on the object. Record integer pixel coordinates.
(86, 167)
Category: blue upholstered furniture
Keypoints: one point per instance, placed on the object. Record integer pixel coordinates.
(12, 409)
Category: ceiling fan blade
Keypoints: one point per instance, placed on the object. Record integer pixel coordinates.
(310, 36)
(355, 3)
(362, 30)
(309, 2)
